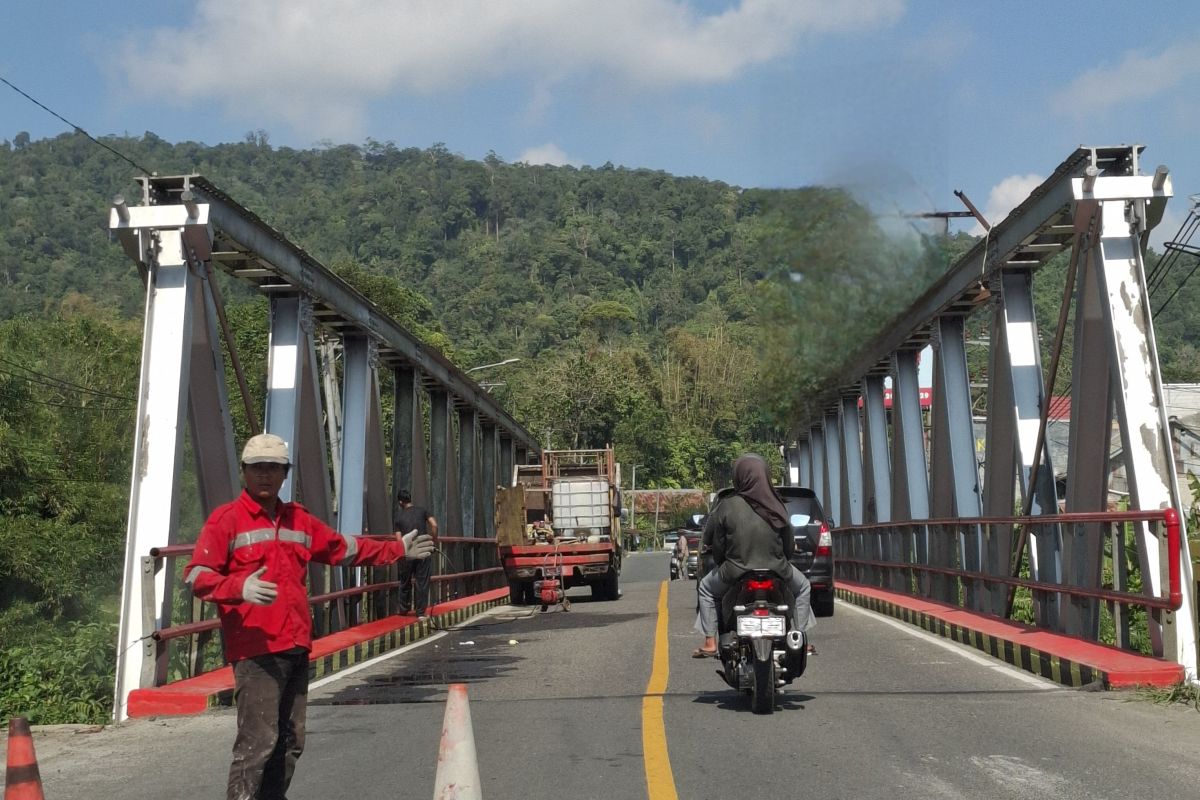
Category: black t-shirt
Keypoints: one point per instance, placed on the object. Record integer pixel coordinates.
(412, 517)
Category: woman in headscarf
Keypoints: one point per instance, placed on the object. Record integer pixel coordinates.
(748, 529)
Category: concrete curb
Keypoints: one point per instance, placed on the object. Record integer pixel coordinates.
(330, 654)
(1067, 660)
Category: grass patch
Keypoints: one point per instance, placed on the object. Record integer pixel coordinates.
(1182, 692)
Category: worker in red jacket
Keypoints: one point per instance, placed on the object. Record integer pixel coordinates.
(252, 561)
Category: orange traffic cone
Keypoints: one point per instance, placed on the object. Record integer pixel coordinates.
(22, 781)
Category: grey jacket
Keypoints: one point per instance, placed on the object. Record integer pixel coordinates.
(741, 540)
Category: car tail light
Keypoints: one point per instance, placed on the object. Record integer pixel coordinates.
(825, 542)
(755, 585)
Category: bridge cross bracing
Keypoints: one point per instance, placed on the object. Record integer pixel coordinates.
(184, 228)
(876, 466)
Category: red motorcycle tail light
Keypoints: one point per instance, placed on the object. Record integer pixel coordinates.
(760, 586)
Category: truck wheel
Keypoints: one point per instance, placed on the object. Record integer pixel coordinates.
(611, 588)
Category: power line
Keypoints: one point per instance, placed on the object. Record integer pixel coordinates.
(58, 383)
(1175, 248)
(41, 481)
(78, 129)
(55, 383)
(18, 398)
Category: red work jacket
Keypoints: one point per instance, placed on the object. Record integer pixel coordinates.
(239, 538)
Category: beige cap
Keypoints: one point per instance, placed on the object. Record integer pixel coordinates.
(266, 448)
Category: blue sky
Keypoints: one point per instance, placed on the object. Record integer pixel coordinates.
(905, 101)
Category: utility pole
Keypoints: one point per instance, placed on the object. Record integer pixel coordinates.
(657, 508)
(633, 501)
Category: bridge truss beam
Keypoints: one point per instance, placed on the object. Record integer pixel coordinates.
(1097, 204)
(328, 412)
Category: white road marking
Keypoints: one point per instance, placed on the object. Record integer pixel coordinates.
(954, 647)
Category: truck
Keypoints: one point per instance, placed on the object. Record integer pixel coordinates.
(559, 520)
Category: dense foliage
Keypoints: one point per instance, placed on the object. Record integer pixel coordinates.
(67, 385)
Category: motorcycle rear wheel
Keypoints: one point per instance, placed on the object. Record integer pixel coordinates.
(762, 694)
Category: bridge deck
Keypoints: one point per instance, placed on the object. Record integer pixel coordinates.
(1063, 659)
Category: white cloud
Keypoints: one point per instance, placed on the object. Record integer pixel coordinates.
(1005, 196)
(1139, 76)
(941, 45)
(540, 101)
(297, 58)
(548, 153)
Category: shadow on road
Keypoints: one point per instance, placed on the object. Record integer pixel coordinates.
(470, 653)
(736, 701)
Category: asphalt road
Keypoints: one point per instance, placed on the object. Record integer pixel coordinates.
(560, 708)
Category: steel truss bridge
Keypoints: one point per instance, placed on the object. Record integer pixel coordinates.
(922, 517)
(916, 516)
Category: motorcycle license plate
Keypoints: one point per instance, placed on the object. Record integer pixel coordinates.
(760, 626)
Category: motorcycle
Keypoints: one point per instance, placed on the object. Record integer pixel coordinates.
(760, 651)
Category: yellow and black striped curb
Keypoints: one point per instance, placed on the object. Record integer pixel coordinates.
(1046, 665)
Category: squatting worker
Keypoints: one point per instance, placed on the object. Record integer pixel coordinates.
(252, 560)
(749, 529)
(414, 575)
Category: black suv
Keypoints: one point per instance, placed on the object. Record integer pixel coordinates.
(814, 545)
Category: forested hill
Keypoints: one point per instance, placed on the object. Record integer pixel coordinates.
(633, 298)
(510, 255)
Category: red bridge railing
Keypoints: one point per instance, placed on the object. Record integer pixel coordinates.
(463, 566)
(935, 559)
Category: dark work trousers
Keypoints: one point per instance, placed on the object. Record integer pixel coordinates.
(415, 575)
(271, 692)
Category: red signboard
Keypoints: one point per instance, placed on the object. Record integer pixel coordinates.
(925, 393)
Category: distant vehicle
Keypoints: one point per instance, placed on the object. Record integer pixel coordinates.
(693, 559)
(670, 539)
(559, 526)
(814, 545)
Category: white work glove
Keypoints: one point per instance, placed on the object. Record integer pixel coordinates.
(417, 547)
(257, 591)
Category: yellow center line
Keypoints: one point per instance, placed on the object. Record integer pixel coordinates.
(660, 781)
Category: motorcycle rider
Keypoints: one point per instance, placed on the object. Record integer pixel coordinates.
(748, 529)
